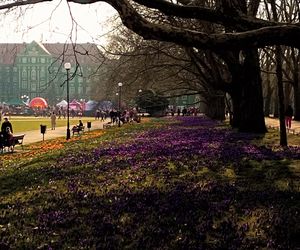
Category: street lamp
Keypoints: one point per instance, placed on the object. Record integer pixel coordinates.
(67, 66)
(24, 97)
(120, 87)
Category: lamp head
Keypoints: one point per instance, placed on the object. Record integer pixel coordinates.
(120, 84)
(67, 65)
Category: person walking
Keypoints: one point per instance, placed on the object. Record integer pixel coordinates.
(53, 120)
(288, 116)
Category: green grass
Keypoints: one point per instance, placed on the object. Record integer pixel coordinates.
(111, 204)
(23, 124)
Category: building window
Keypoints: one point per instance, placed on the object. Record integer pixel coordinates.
(33, 60)
(24, 60)
(42, 72)
(33, 74)
(24, 84)
(24, 74)
(43, 60)
(33, 86)
(42, 83)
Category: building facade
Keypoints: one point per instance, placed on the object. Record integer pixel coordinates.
(37, 70)
(185, 101)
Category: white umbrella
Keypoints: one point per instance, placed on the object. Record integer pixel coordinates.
(63, 104)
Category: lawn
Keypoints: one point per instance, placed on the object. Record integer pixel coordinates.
(23, 124)
(170, 183)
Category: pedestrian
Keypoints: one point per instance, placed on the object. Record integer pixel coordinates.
(288, 116)
(184, 111)
(6, 124)
(6, 130)
(53, 120)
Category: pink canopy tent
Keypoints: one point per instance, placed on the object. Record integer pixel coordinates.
(75, 105)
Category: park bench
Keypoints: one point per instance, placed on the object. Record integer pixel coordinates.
(288, 130)
(291, 130)
(16, 140)
(107, 125)
(77, 129)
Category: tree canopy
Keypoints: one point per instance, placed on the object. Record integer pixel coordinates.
(242, 29)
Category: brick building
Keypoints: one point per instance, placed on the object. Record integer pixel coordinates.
(36, 69)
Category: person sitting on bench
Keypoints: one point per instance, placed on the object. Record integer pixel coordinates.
(7, 131)
(80, 124)
(77, 128)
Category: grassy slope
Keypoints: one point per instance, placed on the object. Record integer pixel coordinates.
(111, 205)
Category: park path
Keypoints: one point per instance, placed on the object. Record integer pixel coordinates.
(36, 136)
(274, 123)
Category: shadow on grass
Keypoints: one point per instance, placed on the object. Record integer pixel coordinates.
(212, 216)
(114, 205)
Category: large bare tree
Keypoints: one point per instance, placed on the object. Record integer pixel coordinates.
(240, 33)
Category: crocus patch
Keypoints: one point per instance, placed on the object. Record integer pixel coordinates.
(175, 183)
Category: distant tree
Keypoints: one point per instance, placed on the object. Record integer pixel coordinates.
(152, 102)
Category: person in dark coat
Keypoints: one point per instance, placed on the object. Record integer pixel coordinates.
(6, 131)
(288, 116)
(6, 124)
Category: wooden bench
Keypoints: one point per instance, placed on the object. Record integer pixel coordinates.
(288, 130)
(16, 140)
(77, 129)
(107, 125)
(291, 130)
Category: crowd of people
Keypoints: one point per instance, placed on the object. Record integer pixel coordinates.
(184, 111)
(115, 116)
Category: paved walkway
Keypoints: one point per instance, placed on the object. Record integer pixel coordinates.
(36, 136)
(274, 123)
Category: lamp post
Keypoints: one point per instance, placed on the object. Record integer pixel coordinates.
(24, 98)
(120, 87)
(67, 66)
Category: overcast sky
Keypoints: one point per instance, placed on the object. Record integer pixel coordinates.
(51, 22)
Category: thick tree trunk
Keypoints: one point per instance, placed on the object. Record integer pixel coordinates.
(283, 136)
(267, 105)
(216, 107)
(236, 100)
(276, 105)
(247, 96)
(296, 102)
(268, 91)
(288, 98)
